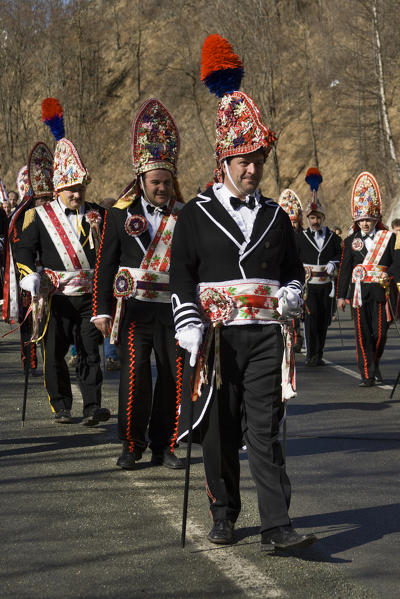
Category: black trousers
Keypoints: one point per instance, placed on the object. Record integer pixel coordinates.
(144, 328)
(370, 326)
(69, 323)
(317, 318)
(247, 409)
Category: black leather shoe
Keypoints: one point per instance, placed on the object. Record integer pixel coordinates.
(284, 538)
(367, 383)
(95, 416)
(321, 362)
(63, 417)
(378, 376)
(311, 361)
(127, 460)
(167, 459)
(222, 532)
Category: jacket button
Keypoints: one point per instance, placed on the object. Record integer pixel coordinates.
(263, 265)
(267, 244)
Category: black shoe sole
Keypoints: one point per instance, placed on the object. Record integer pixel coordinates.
(220, 541)
(126, 465)
(301, 544)
(63, 420)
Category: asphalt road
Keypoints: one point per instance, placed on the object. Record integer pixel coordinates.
(75, 526)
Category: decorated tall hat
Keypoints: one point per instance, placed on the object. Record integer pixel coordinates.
(40, 170)
(3, 193)
(23, 185)
(290, 202)
(68, 168)
(366, 198)
(155, 139)
(314, 179)
(239, 128)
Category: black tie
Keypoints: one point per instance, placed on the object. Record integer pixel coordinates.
(69, 211)
(370, 235)
(236, 203)
(151, 209)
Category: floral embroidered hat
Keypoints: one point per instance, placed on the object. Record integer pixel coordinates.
(314, 179)
(23, 184)
(3, 193)
(239, 128)
(68, 167)
(155, 139)
(40, 170)
(290, 202)
(366, 198)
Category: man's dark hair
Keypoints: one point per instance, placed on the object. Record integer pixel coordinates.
(395, 223)
(15, 193)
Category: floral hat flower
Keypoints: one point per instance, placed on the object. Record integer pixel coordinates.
(40, 170)
(239, 128)
(155, 139)
(23, 184)
(290, 202)
(366, 198)
(68, 167)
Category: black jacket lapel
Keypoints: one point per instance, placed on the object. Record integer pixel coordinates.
(221, 217)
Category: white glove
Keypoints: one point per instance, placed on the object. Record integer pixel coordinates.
(330, 268)
(289, 302)
(31, 283)
(190, 338)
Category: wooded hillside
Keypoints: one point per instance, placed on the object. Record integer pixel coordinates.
(324, 73)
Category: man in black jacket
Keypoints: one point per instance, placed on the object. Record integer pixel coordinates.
(320, 251)
(133, 268)
(65, 234)
(369, 259)
(235, 267)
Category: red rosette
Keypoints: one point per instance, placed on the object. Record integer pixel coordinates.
(357, 244)
(217, 306)
(49, 282)
(124, 284)
(359, 273)
(93, 217)
(135, 225)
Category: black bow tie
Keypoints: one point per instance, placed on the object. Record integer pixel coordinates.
(236, 203)
(150, 208)
(69, 211)
(315, 233)
(370, 235)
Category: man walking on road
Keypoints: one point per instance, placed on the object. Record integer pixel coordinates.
(235, 267)
(133, 268)
(320, 250)
(368, 261)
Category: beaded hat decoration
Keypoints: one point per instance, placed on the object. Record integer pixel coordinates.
(68, 167)
(155, 139)
(366, 198)
(3, 193)
(314, 179)
(40, 170)
(23, 184)
(239, 128)
(290, 202)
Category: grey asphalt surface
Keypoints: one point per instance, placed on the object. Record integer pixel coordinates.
(74, 525)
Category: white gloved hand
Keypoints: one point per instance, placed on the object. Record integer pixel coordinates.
(289, 302)
(190, 338)
(31, 283)
(330, 268)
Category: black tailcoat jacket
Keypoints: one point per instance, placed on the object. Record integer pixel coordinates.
(350, 259)
(118, 248)
(310, 253)
(208, 246)
(35, 241)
